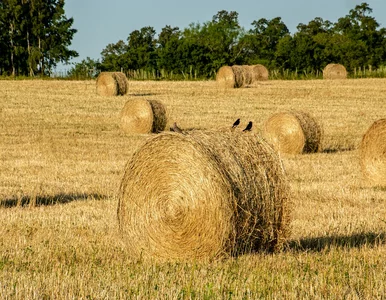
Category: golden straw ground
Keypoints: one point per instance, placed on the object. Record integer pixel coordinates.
(293, 132)
(373, 153)
(203, 194)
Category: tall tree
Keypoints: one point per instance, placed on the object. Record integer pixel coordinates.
(36, 34)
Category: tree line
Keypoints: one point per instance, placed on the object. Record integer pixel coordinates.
(34, 36)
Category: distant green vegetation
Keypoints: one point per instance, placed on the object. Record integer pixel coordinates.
(356, 41)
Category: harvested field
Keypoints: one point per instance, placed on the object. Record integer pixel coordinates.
(63, 157)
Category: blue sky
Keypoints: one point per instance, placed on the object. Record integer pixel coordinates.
(101, 22)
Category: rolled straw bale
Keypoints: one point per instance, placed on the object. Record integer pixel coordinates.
(373, 153)
(143, 116)
(203, 194)
(159, 116)
(239, 76)
(225, 77)
(111, 84)
(293, 132)
(247, 74)
(123, 84)
(259, 73)
(334, 71)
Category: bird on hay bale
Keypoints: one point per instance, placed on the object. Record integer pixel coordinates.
(236, 123)
(175, 128)
(249, 127)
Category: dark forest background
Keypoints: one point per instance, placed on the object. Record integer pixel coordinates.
(35, 36)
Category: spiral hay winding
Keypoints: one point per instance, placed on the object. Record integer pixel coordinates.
(112, 84)
(373, 153)
(225, 77)
(203, 194)
(293, 132)
(143, 116)
(259, 73)
(334, 71)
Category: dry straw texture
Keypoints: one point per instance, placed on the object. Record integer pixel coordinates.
(373, 153)
(225, 77)
(293, 132)
(143, 116)
(259, 73)
(112, 84)
(203, 194)
(334, 71)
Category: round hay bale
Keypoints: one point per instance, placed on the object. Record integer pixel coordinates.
(111, 84)
(239, 76)
(334, 71)
(159, 116)
(293, 132)
(259, 73)
(143, 116)
(106, 85)
(123, 84)
(373, 153)
(247, 75)
(225, 77)
(203, 194)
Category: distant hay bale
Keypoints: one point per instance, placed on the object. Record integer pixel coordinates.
(239, 76)
(293, 132)
(111, 84)
(225, 77)
(373, 153)
(334, 71)
(259, 73)
(143, 116)
(247, 75)
(203, 194)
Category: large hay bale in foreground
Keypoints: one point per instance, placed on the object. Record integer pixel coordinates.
(259, 73)
(111, 84)
(143, 116)
(293, 132)
(334, 71)
(373, 153)
(203, 194)
(225, 77)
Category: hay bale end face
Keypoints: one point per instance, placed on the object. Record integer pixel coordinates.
(373, 153)
(293, 132)
(225, 77)
(111, 84)
(334, 71)
(259, 73)
(143, 116)
(203, 194)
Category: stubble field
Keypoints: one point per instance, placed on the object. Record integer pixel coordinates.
(62, 156)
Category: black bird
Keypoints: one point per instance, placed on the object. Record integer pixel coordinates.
(175, 128)
(235, 124)
(249, 126)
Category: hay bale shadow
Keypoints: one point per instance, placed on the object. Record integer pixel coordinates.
(142, 94)
(323, 243)
(47, 200)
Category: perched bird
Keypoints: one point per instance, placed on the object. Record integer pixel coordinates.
(235, 124)
(249, 126)
(175, 128)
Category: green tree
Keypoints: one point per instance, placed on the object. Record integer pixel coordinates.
(261, 42)
(35, 34)
(87, 68)
(359, 27)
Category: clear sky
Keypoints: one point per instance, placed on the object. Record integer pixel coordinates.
(101, 22)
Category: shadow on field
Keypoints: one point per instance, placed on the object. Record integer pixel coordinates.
(143, 94)
(41, 200)
(319, 244)
(337, 149)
